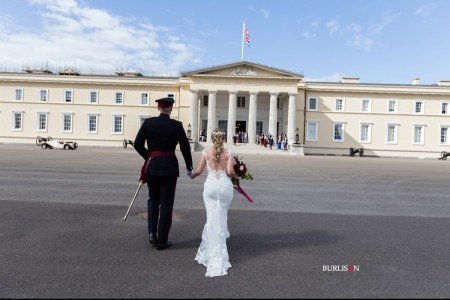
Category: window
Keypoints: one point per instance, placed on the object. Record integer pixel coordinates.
(18, 94)
(259, 127)
(42, 121)
(418, 107)
(392, 106)
(43, 95)
(444, 108)
(223, 125)
(93, 97)
(205, 100)
(365, 133)
(240, 101)
(444, 135)
(419, 131)
(67, 122)
(311, 129)
(278, 102)
(17, 118)
(171, 96)
(92, 122)
(338, 132)
(339, 105)
(141, 121)
(391, 135)
(118, 124)
(205, 125)
(312, 104)
(68, 96)
(118, 97)
(144, 98)
(366, 105)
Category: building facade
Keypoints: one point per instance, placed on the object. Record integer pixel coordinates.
(386, 120)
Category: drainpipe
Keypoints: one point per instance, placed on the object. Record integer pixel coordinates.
(304, 117)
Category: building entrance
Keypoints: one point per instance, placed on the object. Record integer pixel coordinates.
(241, 126)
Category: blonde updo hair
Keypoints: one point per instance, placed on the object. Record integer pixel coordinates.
(217, 137)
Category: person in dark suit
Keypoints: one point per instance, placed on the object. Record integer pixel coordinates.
(161, 169)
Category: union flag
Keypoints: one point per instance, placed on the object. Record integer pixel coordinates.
(246, 36)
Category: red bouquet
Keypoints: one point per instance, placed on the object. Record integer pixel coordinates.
(240, 168)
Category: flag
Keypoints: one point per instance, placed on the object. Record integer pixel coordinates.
(246, 36)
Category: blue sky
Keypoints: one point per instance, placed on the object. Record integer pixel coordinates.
(378, 41)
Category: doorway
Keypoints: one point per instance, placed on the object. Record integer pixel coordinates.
(241, 126)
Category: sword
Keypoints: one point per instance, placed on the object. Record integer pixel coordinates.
(132, 201)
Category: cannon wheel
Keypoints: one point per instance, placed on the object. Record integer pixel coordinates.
(125, 143)
(444, 155)
(44, 146)
(75, 146)
(38, 141)
(361, 152)
(66, 147)
(352, 153)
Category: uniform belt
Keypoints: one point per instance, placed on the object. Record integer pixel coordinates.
(151, 155)
(160, 153)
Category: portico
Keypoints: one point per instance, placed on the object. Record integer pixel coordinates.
(262, 98)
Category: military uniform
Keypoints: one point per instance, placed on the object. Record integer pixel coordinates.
(161, 169)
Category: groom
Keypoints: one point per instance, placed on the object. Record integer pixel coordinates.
(162, 135)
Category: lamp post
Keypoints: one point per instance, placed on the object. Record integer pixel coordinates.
(297, 136)
(189, 132)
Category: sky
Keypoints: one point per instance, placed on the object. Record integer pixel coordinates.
(378, 41)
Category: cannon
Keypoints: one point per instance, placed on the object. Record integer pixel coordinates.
(354, 151)
(126, 142)
(40, 140)
(444, 155)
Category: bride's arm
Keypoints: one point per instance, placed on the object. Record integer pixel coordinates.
(200, 167)
(230, 168)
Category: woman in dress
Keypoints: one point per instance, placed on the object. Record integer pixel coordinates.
(217, 196)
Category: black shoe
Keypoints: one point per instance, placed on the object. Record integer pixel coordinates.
(164, 245)
(152, 239)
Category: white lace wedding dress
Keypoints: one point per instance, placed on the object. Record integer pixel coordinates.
(217, 196)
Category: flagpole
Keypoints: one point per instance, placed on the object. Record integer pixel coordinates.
(242, 33)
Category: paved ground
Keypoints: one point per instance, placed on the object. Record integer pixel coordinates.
(62, 233)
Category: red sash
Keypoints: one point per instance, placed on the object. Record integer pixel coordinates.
(150, 155)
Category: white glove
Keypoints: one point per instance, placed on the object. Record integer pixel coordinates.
(190, 174)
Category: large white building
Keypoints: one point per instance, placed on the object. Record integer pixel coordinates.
(396, 120)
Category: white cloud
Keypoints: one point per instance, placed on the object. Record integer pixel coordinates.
(425, 10)
(93, 40)
(335, 77)
(265, 13)
(360, 41)
(332, 26)
(379, 27)
(308, 35)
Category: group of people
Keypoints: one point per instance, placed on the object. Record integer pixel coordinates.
(156, 141)
(240, 137)
(281, 142)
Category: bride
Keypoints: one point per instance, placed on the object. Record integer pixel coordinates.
(217, 196)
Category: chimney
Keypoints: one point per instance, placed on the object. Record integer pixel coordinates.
(416, 81)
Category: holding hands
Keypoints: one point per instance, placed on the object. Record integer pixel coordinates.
(190, 174)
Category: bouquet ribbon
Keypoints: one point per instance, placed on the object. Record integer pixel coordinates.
(240, 190)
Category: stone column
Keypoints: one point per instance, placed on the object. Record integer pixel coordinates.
(211, 114)
(231, 116)
(273, 115)
(252, 118)
(194, 115)
(292, 118)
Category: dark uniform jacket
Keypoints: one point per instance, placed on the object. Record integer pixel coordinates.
(163, 134)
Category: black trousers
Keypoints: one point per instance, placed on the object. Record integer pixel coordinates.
(160, 205)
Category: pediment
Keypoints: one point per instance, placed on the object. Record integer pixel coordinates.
(243, 69)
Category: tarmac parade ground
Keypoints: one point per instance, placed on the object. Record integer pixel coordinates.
(319, 227)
